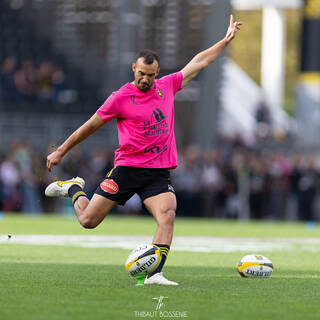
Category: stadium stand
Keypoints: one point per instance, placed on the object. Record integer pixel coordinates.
(34, 77)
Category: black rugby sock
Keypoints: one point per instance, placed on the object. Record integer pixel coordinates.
(164, 249)
(75, 192)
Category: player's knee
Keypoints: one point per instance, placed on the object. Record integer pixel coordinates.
(167, 217)
(88, 223)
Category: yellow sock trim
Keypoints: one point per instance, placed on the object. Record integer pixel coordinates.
(77, 195)
(164, 251)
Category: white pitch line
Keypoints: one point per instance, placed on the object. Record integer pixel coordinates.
(192, 243)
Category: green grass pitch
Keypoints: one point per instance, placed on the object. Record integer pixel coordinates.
(70, 282)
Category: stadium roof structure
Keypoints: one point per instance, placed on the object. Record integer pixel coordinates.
(273, 45)
(258, 4)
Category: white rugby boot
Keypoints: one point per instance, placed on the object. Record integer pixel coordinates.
(60, 188)
(158, 278)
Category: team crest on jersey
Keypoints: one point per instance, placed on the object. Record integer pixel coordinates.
(110, 186)
(160, 94)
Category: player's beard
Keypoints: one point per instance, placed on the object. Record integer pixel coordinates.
(144, 86)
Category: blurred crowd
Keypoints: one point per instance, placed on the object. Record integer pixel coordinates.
(27, 81)
(235, 181)
(228, 181)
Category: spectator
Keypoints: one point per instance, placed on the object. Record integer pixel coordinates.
(229, 193)
(24, 82)
(188, 184)
(7, 87)
(212, 182)
(258, 184)
(279, 172)
(23, 155)
(101, 162)
(307, 185)
(263, 120)
(10, 180)
(45, 87)
(46, 83)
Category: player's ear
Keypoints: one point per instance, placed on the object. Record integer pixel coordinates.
(133, 66)
(158, 71)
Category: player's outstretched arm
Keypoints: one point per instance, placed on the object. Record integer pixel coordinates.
(88, 128)
(203, 59)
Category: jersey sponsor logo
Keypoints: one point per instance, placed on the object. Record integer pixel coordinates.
(170, 188)
(155, 149)
(110, 186)
(160, 94)
(158, 114)
(156, 126)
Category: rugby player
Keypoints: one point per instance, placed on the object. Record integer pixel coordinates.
(144, 110)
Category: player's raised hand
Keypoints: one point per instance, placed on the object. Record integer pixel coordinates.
(53, 159)
(234, 26)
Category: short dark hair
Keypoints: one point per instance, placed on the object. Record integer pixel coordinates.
(149, 56)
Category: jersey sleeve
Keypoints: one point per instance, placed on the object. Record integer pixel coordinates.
(173, 80)
(109, 109)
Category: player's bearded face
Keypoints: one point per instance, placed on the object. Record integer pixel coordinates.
(144, 74)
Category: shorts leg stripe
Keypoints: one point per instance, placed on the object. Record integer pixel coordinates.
(110, 172)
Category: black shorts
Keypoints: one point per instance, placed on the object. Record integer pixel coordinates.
(122, 183)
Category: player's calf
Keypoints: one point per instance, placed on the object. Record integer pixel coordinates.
(72, 188)
(165, 222)
(91, 213)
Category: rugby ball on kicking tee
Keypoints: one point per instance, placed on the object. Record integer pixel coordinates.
(143, 260)
(255, 266)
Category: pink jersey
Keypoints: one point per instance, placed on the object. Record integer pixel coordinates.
(145, 123)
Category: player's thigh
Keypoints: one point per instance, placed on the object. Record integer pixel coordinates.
(161, 204)
(98, 208)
